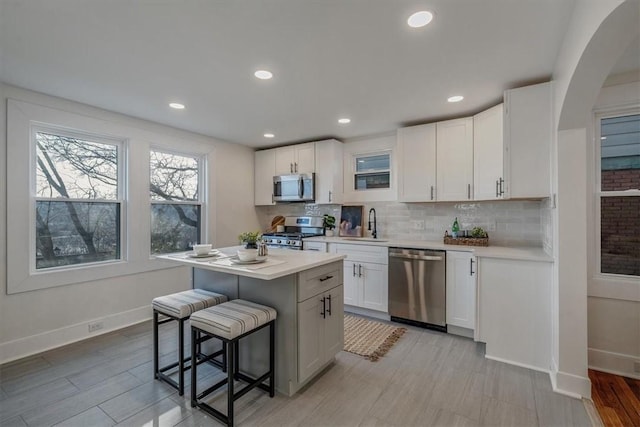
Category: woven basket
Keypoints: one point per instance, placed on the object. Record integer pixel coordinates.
(466, 241)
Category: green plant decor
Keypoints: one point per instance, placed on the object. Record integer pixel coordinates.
(478, 232)
(329, 222)
(249, 238)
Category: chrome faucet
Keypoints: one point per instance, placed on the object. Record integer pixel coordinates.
(374, 232)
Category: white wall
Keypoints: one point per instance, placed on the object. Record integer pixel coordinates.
(597, 35)
(34, 321)
(614, 302)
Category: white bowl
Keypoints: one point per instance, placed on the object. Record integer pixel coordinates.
(247, 254)
(202, 249)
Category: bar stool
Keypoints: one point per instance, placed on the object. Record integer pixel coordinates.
(178, 307)
(229, 322)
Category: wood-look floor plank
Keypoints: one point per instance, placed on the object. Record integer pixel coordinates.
(93, 417)
(615, 398)
(36, 397)
(499, 413)
(166, 412)
(63, 409)
(628, 399)
(510, 384)
(135, 400)
(22, 367)
(14, 422)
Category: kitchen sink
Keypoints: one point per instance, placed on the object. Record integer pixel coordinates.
(364, 239)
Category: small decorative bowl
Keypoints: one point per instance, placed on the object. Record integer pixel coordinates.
(247, 254)
(202, 249)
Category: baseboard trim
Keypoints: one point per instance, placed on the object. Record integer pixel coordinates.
(613, 363)
(366, 312)
(572, 385)
(511, 362)
(34, 344)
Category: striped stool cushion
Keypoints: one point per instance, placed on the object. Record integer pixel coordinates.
(233, 318)
(183, 304)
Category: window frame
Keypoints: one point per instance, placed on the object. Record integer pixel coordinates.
(120, 200)
(201, 202)
(599, 115)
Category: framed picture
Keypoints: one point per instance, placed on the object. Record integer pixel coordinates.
(351, 221)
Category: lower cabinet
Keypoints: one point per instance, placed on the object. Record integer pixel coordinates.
(461, 290)
(320, 331)
(366, 270)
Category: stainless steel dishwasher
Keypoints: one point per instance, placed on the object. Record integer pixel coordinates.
(417, 289)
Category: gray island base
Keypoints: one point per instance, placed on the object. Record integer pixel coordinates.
(306, 289)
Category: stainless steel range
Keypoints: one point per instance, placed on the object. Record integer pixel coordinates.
(295, 229)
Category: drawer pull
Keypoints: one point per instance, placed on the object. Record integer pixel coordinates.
(328, 310)
(326, 278)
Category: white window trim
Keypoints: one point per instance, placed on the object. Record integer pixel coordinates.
(608, 285)
(21, 115)
(202, 191)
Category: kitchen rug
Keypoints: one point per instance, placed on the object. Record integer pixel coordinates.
(369, 338)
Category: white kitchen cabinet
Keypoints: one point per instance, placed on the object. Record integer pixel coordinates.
(314, 246)
(417, 163)
(320, 331)
(528, 133)
(264, 170)
(488, 154)
(461, 290)
(454, 159)
(329, 171)
(365, 276)
(299, 158)
(514, 311)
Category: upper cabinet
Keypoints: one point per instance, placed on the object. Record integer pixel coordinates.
(528, 134)
(299, 158)
(454, 159)
(488, 154)
(328, 159)
(264, 170)
(417, 163)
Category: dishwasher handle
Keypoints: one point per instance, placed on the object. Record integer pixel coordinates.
(418, 257)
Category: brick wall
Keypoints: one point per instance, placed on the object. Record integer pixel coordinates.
(620, 224)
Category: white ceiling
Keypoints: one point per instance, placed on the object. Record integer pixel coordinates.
(330, 58)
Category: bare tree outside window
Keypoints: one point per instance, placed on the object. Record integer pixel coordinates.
(77, 206)
(175, 202)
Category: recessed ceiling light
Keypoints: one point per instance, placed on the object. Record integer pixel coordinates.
(177, 106)
(263, 74)
(344, 121)
(269, 135)
(456, 98)
(420, 19)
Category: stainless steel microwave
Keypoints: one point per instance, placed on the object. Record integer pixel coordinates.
(294, 188)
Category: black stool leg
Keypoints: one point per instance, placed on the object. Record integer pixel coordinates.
(155, 344)
(180, 357)
(236, 362)
(272, 359)
(230, 377)
(194, 366)
(224, 357)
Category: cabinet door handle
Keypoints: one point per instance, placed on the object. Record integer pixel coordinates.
(296, 167)
(329, 196)
(432, 192)
(469, 191)
(325, 278)
(497, 188)
(359, 270)
(324, 311)
(329, 309)
(354, 270)
(291, 167)
(501, 188)
(471, 267)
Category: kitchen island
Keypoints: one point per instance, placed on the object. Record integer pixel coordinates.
(306, 289)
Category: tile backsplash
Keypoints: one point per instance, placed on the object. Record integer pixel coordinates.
(508, 223)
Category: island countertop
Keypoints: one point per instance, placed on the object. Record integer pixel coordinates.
(279, 262)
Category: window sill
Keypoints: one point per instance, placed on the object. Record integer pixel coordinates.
(614, 287)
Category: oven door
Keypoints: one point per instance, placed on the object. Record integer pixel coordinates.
(294, 188)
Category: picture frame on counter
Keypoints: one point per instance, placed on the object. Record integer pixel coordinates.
(351, 221)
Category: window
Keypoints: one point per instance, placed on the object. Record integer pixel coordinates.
(619, 194)
(372, 171)
(78, 204)
(176, 202)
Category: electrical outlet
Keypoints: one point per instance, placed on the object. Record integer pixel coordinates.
(418, 224)
(95, 326)
(636, 367)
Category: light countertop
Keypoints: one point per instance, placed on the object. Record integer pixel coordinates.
(279, 262)
(524, 253)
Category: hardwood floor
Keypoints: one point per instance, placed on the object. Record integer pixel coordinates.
(427, 378)
(616, 398)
